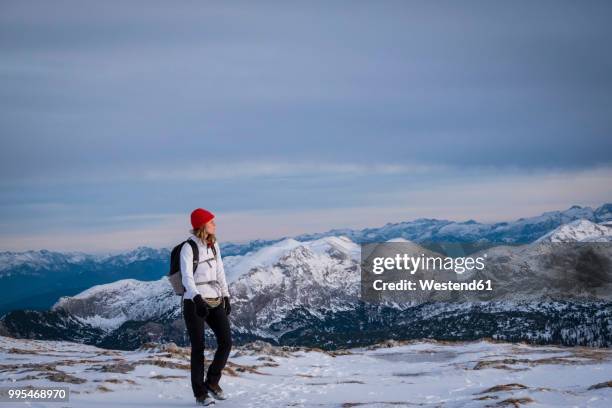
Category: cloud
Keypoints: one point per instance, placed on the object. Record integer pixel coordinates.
(110, 113)
(89, 87)
(280, 169)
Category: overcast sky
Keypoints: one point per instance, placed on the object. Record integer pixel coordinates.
(119, 118)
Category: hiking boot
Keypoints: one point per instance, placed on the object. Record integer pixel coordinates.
(215, 390)
(205, 400)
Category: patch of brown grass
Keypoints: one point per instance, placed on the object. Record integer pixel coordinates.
(122, 368)
(165, 364)
(338, 382)
(357, 404)
(166, 377)
(604, 384)
(504, 387)
(506, 363)
(60, 376)
(240, 368)
(515, 402)
(486, 397)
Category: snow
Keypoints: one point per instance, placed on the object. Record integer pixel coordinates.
(133, 285)
(235, 266)
(107, 324)
(340, 243)
(403, 240)
(52, 260)
(10, 259)
(323, 273)
(286, 264)
(578, 231)
(463, 229)
(109, 305)
(399, 374)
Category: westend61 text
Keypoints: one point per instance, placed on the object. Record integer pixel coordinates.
(430, 284)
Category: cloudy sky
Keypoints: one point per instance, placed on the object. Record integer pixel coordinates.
(118, 118)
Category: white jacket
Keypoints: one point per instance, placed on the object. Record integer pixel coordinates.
(206, 271)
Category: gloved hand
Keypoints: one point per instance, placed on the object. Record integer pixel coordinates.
(200, 306)
(226, 304)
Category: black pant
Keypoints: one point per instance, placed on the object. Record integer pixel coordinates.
(219, 323)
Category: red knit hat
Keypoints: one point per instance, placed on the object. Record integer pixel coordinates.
(200, 216)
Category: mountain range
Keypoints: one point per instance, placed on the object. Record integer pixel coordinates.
(69, 273)
(307, 292)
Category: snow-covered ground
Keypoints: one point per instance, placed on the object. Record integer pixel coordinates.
(394, 374)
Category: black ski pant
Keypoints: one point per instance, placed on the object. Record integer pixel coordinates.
(219, 323)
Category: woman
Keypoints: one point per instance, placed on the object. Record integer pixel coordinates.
(206, 299)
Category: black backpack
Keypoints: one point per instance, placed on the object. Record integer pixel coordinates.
(174, 275)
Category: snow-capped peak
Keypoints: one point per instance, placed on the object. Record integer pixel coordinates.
(578, 231)
(109, 305)
(341, 244)
(398, 240)
(236, 266)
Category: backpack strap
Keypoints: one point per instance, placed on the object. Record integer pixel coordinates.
(214, 250)
(196, 253)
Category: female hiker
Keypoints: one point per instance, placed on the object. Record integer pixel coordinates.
(206, 299)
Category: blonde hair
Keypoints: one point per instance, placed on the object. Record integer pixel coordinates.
(205, 237)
